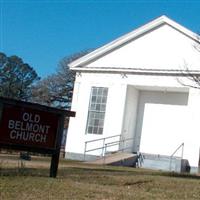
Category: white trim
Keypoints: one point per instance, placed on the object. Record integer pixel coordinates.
(172, 72)
(79, 63)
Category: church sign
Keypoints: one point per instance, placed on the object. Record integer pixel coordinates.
(32, 127)
(28, 127)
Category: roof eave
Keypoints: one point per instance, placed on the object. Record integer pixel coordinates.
(159, 72)
(130, 36)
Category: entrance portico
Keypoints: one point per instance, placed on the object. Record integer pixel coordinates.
(155, 118)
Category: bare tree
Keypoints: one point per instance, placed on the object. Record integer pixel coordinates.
(193, 76)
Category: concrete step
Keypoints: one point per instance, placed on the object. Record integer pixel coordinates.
(117, 159)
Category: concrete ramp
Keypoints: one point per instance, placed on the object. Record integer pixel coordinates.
(117, 159)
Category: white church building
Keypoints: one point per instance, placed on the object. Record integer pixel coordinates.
(131, 88)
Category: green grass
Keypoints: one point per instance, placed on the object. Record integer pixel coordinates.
(77, 181)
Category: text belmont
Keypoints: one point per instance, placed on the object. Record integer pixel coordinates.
(28, 129)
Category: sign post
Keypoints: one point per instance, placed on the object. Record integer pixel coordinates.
(32, 127)
(56, 155)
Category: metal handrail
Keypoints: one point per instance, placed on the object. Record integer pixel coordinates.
(118, 142)
(102, 138)
(102, 147)
(181, 145)
(93, 149)
(105, 145)
(110, 144)
(172, 155)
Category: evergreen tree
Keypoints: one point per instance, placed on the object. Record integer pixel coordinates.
(16, 78)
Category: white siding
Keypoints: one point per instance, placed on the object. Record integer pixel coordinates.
(162, 48)
(114, 108)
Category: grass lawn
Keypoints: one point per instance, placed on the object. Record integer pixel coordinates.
(77, 181)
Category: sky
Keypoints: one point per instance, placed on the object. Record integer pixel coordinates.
(42, 32)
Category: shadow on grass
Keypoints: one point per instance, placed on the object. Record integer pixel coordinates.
(126, 171)
(180, 175)
(84, 172)
(12, 172)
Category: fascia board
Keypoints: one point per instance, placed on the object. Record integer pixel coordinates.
(182, 29)
(138, 71)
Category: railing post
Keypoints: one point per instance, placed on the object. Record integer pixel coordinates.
(199, 162)
(103, 147)
(104, 158)
(182, 150)
(85, 150)
(170, 163)
(180, 146)
(121, 143)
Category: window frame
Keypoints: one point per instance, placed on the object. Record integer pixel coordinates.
(96, 110)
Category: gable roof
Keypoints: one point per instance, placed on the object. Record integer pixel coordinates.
(81, 62)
